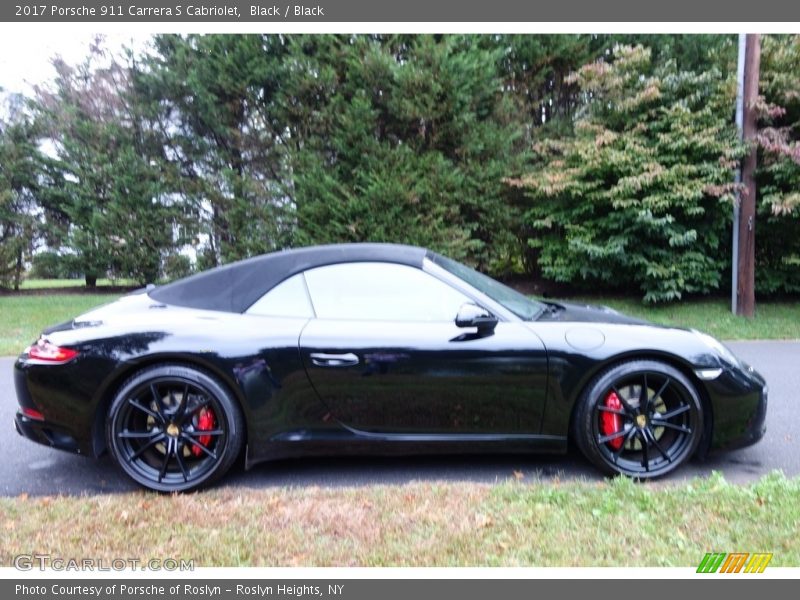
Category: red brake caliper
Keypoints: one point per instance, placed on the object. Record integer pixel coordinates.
(205, 422)
(610, 422)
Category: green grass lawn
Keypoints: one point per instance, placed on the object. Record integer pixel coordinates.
(773, 320)
(516, 523)
(38, 284)
(23, 317)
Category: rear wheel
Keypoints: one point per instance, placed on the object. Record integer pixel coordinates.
(641, 418)
(174, 428)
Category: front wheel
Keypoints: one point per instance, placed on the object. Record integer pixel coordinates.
(641, 419)
(173, 428)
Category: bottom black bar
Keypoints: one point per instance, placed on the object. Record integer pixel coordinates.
(377, 589)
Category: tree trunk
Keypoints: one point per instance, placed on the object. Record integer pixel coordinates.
(18, 271)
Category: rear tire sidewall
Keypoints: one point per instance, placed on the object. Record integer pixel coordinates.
(584, 431)
(224, 402)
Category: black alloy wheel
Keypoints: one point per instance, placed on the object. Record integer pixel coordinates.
(174, 428)
(641, 419)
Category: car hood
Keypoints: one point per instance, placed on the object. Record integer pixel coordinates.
(587, 313)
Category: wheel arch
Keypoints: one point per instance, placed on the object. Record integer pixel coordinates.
(112, 384)
(672, 360)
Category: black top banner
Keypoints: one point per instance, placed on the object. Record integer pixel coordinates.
(465, 11)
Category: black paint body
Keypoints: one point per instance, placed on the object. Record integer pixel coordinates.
(417, 387)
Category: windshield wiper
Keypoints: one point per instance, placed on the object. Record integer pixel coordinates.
(549, 309)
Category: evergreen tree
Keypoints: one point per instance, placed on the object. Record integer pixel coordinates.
(20, 162)
(218, 92)
(403, 139)
(118, 217)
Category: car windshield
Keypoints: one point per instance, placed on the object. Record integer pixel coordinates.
(522, 306)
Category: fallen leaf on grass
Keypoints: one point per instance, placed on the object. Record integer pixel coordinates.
(483, 521)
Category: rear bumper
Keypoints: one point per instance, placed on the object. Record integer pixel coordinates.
(66, 424)
(42, 432)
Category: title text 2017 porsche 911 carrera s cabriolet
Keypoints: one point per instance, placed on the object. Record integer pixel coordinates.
(373, 348)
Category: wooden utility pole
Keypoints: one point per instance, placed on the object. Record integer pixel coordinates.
(745, 292)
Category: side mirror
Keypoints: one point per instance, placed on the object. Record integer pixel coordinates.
(472, 315)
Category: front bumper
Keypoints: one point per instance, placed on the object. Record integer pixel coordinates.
(755, 427)
(739, 399)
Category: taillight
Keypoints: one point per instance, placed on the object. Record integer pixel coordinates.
(33, 414)
(50, 353)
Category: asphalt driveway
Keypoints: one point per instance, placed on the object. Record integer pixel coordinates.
(28, 468)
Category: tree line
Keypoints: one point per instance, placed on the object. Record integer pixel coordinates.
(599, 161)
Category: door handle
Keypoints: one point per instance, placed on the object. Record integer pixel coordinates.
(321, 359)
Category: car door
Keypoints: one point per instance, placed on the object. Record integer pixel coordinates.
(384, 354)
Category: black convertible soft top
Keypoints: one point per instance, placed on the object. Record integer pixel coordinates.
(235, 287)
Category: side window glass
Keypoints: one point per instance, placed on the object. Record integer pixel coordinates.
(287, 299)
(381, 292)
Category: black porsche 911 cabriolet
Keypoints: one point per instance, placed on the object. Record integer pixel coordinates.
(373, 348)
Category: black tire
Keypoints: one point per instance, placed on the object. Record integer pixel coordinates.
(640, 442)
(174, 428)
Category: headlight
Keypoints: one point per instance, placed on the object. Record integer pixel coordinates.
(721, 349)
